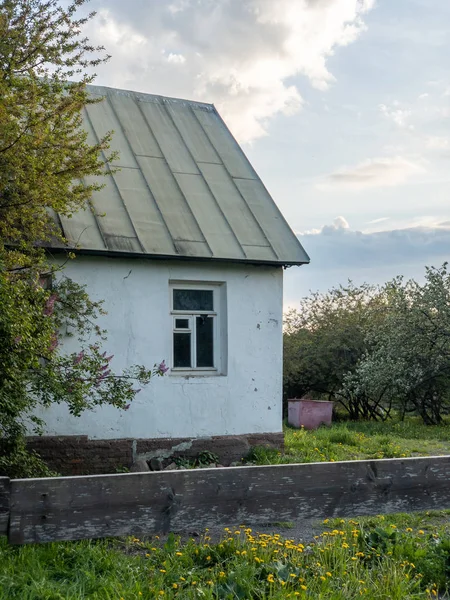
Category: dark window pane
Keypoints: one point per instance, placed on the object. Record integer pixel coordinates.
(181, 323)
(193, 300)
(182, 350)
(205, 346)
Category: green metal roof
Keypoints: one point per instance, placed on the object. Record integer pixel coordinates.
(184, 189)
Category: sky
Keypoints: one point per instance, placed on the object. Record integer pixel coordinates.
(342, 106)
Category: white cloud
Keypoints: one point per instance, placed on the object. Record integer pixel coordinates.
(399, 116)
(376, 172)
(435, 142)
(380, 220)
(239, 54)
(176, 59)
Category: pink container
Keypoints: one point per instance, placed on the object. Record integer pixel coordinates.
(309, 414)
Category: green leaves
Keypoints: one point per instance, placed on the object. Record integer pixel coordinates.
(409, 361)
(324, 341)
(47, 166)
(375, 349)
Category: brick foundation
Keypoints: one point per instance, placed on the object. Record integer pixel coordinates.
(79, 455)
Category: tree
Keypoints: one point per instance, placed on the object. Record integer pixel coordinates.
(325, 340)
(409, 359)
(45, 159)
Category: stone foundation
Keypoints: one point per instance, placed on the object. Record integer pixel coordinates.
(79, 455)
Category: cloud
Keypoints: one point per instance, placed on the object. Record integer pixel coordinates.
(338, 254)
(435, 142)
(335, 246)
(380, 220)
(241, 55)
(399, 116)
(375, 172)
(176, 59)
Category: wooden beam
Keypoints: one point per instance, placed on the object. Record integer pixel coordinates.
(70, 508)
(4, 505)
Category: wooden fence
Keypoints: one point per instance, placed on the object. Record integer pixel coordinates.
(72, 508)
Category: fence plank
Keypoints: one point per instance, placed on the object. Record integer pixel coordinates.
(69, 508)
(4, 505)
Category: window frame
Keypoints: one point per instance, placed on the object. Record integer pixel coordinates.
(191, 316)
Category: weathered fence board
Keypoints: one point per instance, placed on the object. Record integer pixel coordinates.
(4, 505)
(69, 508)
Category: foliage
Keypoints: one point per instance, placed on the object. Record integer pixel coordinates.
(203, 459)
(409, 359)
(325, 339)
(47, 166)
(374, 350)
(33, 374)
(404, 561)
(44, 152)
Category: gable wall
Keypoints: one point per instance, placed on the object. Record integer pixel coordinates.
(247, 399)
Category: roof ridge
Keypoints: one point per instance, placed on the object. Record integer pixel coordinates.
(151, 97)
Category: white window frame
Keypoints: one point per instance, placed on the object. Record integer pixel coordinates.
(216, 314)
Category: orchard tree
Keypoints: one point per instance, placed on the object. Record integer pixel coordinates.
(325, 339)
(44, 160)
(408, 364)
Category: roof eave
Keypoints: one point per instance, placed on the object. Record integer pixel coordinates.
(139, 255)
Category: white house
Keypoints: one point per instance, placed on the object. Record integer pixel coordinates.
(189, 257)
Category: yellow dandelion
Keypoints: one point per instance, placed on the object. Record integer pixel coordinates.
(221, 574)
(163, 571)
(421, 531)
(179, 553)
(328, 574)
(270, 578)
(304, 588)
(409, 529)
(175, 586)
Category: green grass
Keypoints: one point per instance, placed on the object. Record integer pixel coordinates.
(357, 441)
(395, 558)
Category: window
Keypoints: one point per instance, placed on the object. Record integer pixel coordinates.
(196, 327)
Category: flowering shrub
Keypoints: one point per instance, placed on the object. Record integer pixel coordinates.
(34, 372)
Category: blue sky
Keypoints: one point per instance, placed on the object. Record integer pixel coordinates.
(342, 106)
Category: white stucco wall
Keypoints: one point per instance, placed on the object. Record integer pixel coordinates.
(248, 399)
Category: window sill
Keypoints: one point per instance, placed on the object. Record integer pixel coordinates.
(195, 373)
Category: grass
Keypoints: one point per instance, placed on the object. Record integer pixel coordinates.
(358, 441)
(396, 558)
